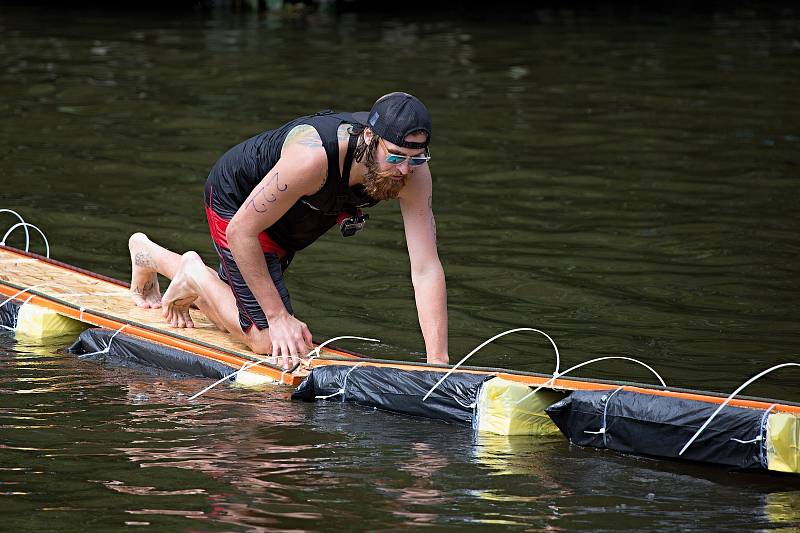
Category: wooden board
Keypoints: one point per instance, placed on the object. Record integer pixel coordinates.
(105, 302)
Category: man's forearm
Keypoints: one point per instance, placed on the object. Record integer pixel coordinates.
(250, 259)
(431, 297)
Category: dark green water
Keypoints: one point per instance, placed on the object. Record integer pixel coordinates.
(627, 184)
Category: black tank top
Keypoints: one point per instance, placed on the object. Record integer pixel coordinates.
(241, 169)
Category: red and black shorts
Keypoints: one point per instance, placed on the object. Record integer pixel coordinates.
(277, 259)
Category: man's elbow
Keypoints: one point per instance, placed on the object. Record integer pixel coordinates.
(234, 233)
(231, 232)
(431, 271)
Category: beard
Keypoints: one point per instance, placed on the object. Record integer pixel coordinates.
(380, 185)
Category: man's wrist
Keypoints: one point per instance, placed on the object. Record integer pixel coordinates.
(277, 314)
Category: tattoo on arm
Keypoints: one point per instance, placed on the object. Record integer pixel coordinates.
(265, 198)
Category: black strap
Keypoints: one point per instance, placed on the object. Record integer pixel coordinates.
(343, 188)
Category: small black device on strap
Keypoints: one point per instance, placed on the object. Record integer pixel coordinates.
(353, 224)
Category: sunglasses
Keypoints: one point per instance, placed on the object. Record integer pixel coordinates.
(398, 159)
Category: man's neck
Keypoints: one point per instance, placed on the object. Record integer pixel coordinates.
(357, 172)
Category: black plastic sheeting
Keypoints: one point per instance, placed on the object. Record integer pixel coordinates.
(143, 355)
(8, 314)
(660, 426)
(396, 390)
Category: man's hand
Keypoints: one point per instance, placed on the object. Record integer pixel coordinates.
(290, 338)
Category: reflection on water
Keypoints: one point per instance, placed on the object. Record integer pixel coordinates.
(624, 182)
(782, 509)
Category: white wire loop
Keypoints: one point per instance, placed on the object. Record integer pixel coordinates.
(107, 347)
(484, 343)
(344, 385)
(323, 344)
(45, 284)
(567, 371)
(729, 398)
(26, 225)
(27, 234)
(604, 430)
(251, 364)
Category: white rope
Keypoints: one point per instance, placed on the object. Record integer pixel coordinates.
(27, 234)
(344, 384)
(115, 294)
(13, 296)
(604, 429)
(107, 346)
(266, 360)
(567, 371)
(729, 398)
(322, 345)
(484, 343)
(25, 225)
(45, 284)
(751, 441)
(16, 318)
(763, 428)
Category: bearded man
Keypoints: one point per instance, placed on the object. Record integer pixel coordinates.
(274, 194)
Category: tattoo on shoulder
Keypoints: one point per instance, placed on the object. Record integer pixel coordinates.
(304, 135)
(264, 195)
(343, 134)
(310, 141)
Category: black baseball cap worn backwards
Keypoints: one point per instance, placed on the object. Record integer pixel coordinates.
(395, 116)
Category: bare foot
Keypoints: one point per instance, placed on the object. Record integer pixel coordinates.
(181, 293)
(144, 278)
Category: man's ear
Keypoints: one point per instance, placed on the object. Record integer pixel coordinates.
(367, 136)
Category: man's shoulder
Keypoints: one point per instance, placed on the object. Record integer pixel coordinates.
(303, 135)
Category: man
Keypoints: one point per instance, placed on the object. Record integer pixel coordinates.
(274, 194)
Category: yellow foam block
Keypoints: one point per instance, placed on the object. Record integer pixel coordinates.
(783, 442)
(40, 323)
(251, 379)
(502, 410)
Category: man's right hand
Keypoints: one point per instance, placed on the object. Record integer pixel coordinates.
(290, 338)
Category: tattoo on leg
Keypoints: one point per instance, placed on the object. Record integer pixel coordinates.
(143, 259)
(143, 290)
(433, 227)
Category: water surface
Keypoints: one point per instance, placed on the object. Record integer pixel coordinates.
(625, 183)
